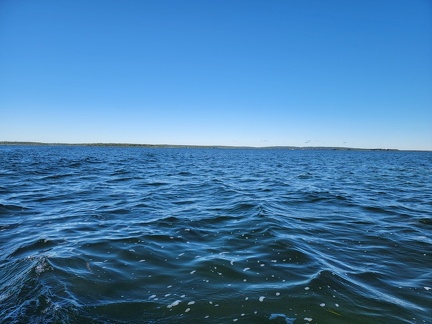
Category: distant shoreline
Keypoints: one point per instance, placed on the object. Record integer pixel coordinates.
(204, 146)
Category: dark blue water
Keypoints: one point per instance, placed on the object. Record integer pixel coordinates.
(137, 235)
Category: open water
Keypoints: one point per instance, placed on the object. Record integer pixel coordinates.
(140, 235)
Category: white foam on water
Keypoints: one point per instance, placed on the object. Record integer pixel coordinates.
(152, 296)
(337, 305)
(308, 319)
(175, 303)
(427, 288)
(187, 310)
(193, 271)
(261, 298)
(307, 288)
(278, 294)
(191, 303)
(322, 304)
(246, 269)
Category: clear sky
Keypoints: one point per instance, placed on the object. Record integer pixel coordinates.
(218, 72)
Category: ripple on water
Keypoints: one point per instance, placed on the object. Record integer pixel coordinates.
(151, 235)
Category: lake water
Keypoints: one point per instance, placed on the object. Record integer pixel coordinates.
(159, 235)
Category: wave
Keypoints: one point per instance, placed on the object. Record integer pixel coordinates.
(116, 235)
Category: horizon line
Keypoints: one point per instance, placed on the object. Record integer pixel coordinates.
(292, 147)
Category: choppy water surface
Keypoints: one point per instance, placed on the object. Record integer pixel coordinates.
(137, 235)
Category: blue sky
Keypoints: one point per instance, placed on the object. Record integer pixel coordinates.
(258, 73)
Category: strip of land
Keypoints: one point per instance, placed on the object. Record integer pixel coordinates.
(196, 146)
